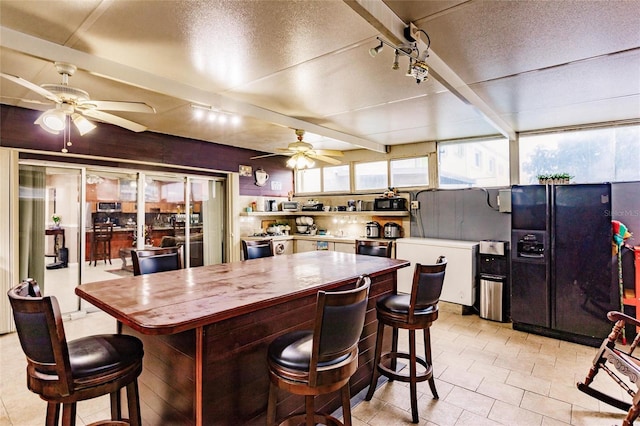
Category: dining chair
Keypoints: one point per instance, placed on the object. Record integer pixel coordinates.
(101, 242)
(415, 311)
(374, 248)
(156, 260)
(64, 372)
(257, 249)
(322, 360)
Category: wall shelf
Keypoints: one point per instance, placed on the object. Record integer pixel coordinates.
(332, 213)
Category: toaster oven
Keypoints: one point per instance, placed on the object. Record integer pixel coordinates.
(290, 206)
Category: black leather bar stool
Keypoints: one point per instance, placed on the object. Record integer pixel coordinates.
(64, 372)
(415, 311)
(156, 260)
(322, 360)
(257, 249)
(374, 248)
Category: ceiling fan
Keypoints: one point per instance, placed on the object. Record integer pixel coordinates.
(73, 104)
(302, 153)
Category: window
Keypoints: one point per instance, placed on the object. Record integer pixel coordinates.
(336, 179)
(410, 172)
(609, 154)
(308, 180)
(463, 164)
(371, 175)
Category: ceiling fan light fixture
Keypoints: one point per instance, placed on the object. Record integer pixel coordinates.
(53, 120)
(300, 161)
(83, 125)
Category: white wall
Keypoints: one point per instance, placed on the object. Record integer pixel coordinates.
(8, 238)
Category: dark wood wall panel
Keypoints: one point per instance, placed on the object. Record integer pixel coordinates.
(167, 380)
(18, 131)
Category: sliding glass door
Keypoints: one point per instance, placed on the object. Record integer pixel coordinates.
(50, 231)
(59, 207)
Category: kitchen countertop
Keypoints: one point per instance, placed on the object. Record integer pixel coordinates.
(308, 237)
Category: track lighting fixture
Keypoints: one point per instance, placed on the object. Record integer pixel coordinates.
(375, 50)
(418, 69)
(214, 115)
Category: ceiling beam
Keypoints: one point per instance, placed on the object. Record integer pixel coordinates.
(383, 19)
(46, 50)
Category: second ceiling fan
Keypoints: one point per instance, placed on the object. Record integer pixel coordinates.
(302, 153)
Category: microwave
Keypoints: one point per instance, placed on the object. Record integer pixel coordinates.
(109, 207)
(392, 204)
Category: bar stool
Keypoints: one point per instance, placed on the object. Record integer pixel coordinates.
(416, 311)
(322, 360)
(64, 372)
(101, 243)
(257, 249)
(374, 248)
(156, 260)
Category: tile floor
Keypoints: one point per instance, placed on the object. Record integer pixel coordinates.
(486, 374)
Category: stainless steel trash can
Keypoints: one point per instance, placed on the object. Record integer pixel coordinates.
(491, 297)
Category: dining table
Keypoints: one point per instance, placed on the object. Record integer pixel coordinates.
(206, 330)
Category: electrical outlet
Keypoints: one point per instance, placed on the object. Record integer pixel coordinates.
(415, 205)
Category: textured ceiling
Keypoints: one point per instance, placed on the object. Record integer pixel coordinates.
(497, 66)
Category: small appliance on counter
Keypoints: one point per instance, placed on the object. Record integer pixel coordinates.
(290, 206)
(315, 207)
(271, 206)
(392, 230)
(372, 230)
(390, 204)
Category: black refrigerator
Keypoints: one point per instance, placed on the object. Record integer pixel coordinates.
(561, 282)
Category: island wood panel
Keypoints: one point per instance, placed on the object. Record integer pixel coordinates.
(218, 320)
(235, 379)
(167, 382)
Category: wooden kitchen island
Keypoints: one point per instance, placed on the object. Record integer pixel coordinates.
(206, 330)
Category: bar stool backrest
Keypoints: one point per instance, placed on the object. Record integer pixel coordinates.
(152, 261)
(374, 248)
(102, 231)
(257, 249)
(338, 324)
(41, 334)
(427, 285)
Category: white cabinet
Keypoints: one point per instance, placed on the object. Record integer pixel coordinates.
(312, 245)
(345, 247)
(460, 275)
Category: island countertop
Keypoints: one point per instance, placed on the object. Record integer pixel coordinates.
(175, 301)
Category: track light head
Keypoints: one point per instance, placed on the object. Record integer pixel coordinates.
(375, 50)
(395, 65)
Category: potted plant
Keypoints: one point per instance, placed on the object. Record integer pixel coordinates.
(554, 178)
(56, 220)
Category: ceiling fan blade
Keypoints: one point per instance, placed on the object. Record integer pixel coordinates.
(262, 156)
(28, 101)
(113, 119)
(117, 106)
(330, 152)
(31, 86)
(325, 159)
(286, 151)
